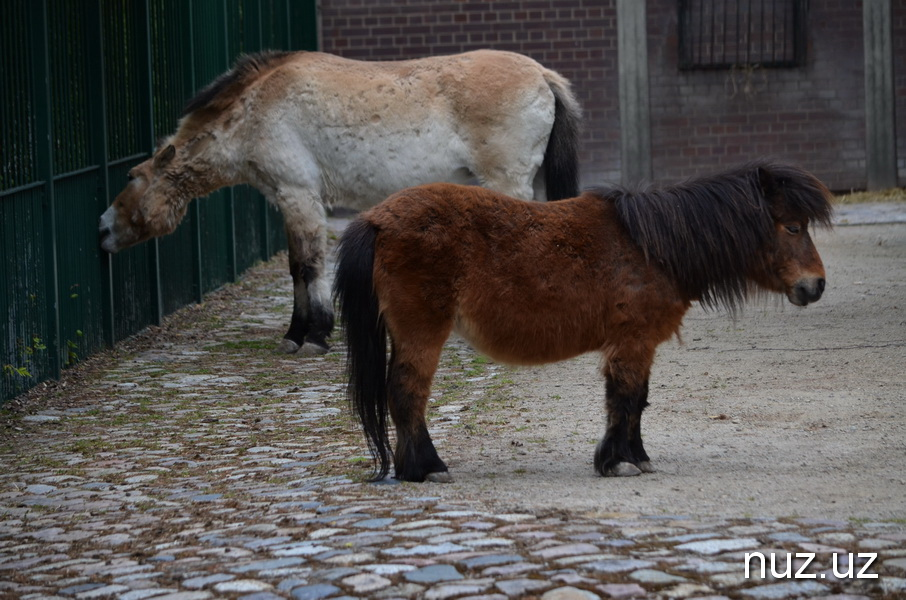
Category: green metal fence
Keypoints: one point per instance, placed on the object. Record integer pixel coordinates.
(86, 87)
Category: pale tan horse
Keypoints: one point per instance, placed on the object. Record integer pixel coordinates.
(311, 130)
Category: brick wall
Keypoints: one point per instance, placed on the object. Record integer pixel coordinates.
(700, 120)
(812, 115)
(576, 38)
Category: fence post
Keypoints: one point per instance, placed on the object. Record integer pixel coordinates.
(45, 171)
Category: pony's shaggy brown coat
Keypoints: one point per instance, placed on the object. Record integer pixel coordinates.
(527, 283)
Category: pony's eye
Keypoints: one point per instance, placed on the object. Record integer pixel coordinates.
(794, 229)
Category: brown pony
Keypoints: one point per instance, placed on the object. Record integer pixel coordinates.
(527, 283)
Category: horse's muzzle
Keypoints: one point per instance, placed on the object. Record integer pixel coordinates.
(105, 232)
(806, 291)
(106, 239)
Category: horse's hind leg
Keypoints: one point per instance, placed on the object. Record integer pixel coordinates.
(312, 319)
(498, 167)
(621, 451)
(509, 159)
(409, 377)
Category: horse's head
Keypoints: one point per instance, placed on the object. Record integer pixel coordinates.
(151, 205)
(797, 201)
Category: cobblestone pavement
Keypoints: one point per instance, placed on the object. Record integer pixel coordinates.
(193, 462)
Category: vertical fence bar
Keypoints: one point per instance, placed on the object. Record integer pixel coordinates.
(267, 246)
(98, 82)
(800, 32)
(146, 97)
(231, 192)
(44, 169)
(288, 19)
(195, 207)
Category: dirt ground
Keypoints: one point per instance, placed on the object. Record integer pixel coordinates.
(784, 411)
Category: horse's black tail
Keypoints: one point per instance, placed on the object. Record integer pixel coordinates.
(365, 334)
(561, 157)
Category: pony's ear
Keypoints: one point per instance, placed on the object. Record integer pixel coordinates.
(767, 182)
(164, 157)
(770, 186)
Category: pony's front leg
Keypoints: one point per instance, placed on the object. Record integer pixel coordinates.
(313, 318)
(409, 385)
(621, 452)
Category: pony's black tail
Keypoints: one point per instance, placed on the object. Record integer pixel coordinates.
(561, 157)
(365, 335)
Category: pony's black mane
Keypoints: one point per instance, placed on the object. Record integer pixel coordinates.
(246, 65)
(709, 233)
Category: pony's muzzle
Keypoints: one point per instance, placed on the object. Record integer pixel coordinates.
(806, 291)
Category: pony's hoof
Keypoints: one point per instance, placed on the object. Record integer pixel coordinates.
(287, 346)
(645, 466)
(385, 481)
(623, 469)
(440, 477)
(310, 349)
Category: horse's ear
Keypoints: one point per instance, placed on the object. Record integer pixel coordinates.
(164, 157)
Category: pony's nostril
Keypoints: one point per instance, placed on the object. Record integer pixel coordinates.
(820, 285)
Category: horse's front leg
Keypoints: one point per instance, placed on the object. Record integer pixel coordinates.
(313, 318)
(621, 452)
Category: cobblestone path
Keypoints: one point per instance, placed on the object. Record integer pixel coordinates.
(193, 462)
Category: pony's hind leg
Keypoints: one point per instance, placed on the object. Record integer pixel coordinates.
(621, 451)
(636, 447)
(313, 318)
(409, 377)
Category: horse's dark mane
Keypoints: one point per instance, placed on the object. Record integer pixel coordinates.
(247, 67)
(709, 233)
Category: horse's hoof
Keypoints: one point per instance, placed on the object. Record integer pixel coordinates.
(310, 349)
(287, 346)
(623, 469)
(440, 477)
(645, 466)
